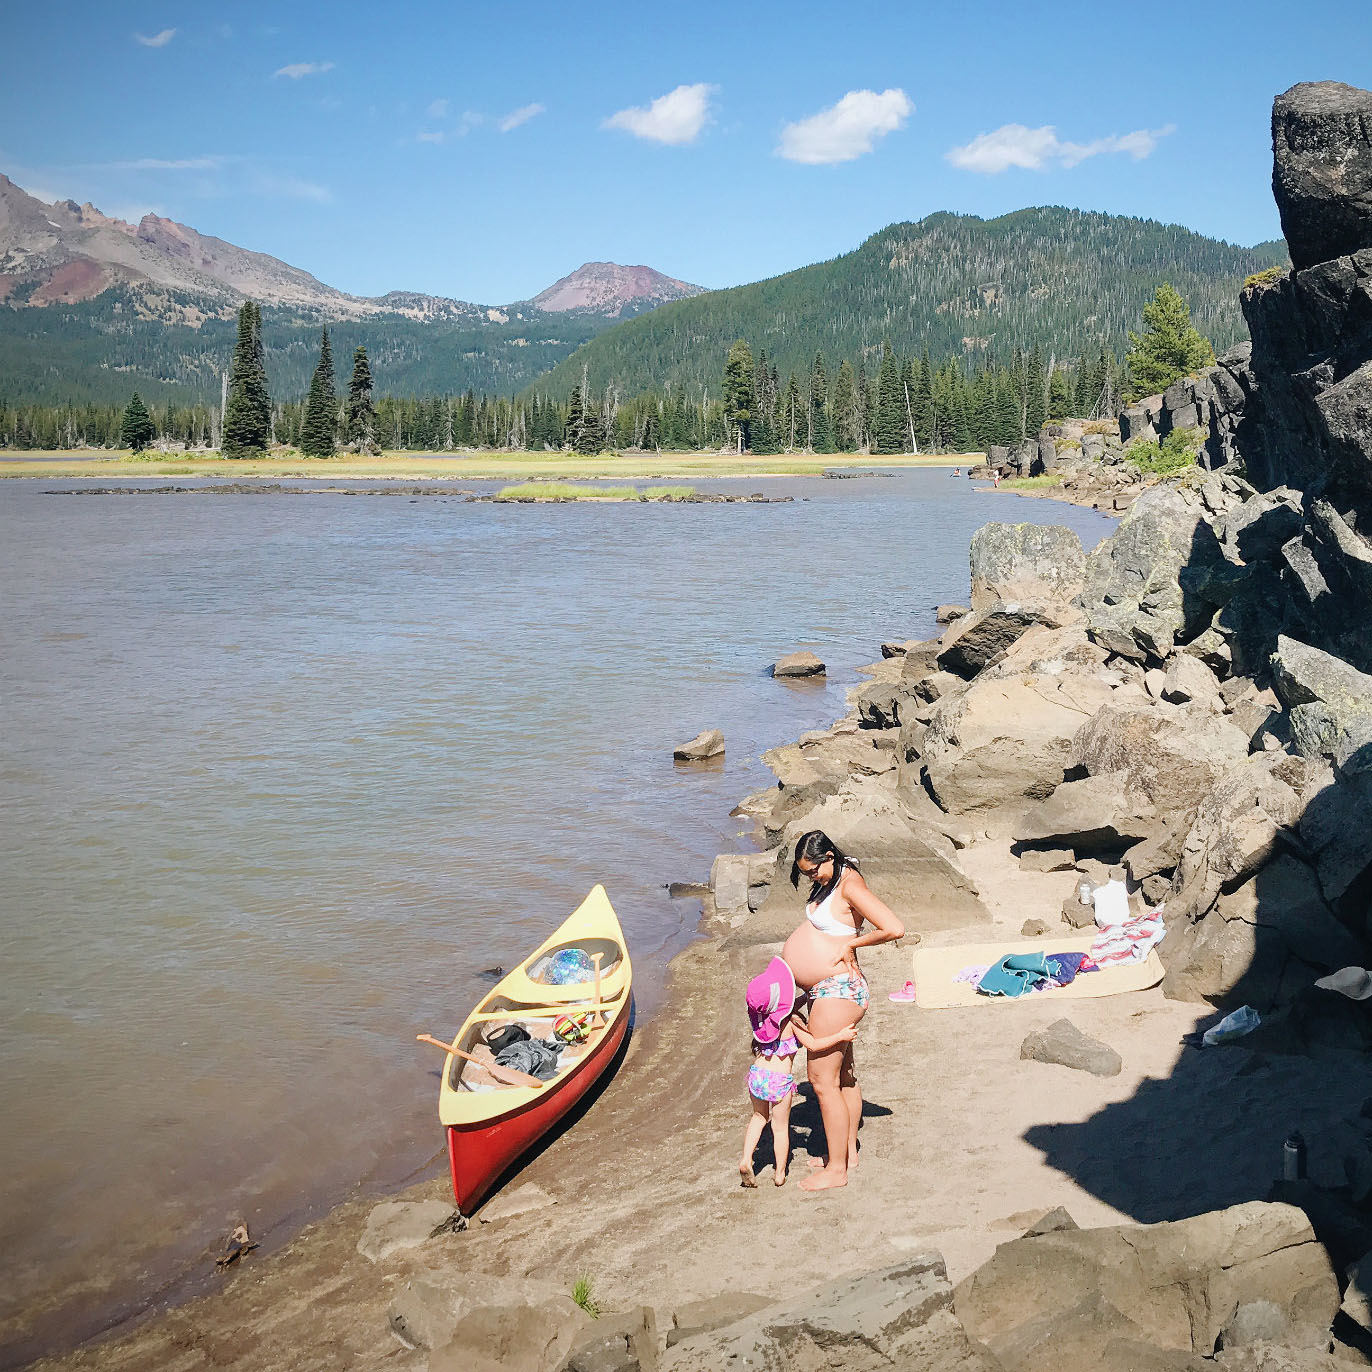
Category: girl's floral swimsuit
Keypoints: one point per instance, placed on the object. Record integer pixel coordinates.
(764, 1081)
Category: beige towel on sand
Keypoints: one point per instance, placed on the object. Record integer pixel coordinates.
(935, 969)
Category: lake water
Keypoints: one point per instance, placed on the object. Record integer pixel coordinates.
(282, 774)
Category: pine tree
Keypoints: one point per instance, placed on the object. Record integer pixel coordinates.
(247, 416)
(575, 416)
(319, 432)
(1060, 395)
(359, 414)
(845, 410)
(890, 425)
(136, 429)
(821, 430)
(739, 397)
(1169, 347)
(1035, 394)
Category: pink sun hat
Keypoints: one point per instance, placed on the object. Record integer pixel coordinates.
(771, 997)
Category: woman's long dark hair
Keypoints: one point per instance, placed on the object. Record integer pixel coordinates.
(817, 847)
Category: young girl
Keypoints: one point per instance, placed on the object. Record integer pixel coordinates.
(778, 1035)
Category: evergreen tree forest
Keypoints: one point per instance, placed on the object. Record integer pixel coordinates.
(904, 402)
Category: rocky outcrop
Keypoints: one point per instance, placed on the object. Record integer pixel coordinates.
(1105, 1298)
(1025, 562)
(1322, 170)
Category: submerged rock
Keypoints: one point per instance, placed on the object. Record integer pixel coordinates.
(706, 744)
(798, 664)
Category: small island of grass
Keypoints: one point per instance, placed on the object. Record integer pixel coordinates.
(565, 490)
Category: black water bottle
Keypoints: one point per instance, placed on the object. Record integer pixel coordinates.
(1293, 1158)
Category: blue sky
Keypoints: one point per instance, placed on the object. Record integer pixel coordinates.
(482, 151)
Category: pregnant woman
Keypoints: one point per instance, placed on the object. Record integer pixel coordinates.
(822, 953)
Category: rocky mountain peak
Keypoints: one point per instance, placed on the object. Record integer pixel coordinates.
(612, 289)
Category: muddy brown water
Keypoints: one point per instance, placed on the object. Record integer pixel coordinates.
(281, 778)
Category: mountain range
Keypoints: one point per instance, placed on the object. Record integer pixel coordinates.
(91, 306)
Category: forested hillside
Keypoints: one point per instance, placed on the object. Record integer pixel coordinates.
(955, 285)
(99, 350)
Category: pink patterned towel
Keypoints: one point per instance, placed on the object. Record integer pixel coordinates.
(1130, 942)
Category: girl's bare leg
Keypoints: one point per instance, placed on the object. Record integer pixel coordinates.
(829, 1015)
(757, 1121)
(781, 1138)
(852, 1098)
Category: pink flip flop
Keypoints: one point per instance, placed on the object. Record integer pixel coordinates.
(906, 994)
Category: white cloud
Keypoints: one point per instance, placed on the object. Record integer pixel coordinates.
(1015, 145)
(158, 40)
(295, 70)
(674, 118)
(437, 109)
(846, 130)
(287, 187)
(520, 116)
(431, 136)
(205, 163)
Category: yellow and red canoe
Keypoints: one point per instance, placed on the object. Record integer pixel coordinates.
(490, 1127)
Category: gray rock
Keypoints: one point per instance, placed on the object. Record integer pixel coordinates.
(1176, 1284)
(1213, 649)
(704, 1316)
(1334, 827)
(879, 704)
(1053, 1221)
(1048, 454)
(625, 1342)
(428, 1307)
(707, 744)
(1357, 1298)
(394, 1226)
(1322, 169)
(1187, 678)
(1047, 860)
(946, 614)
(1254, 1321)
(1330, 703)
(1096, 814)
(1005, 737)
(729, 880)
(521, 1201)
(512, 1337)
(982, 637)
(1259, 527)
(898, 1316)
(1033, 928)
(1025, 563)
(1063, 1044)
(1158, 854)
(1171, 755)
(1077, 915)
(1261, 944)
(798, 664)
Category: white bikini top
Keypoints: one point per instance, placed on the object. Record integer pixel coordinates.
(820, 916)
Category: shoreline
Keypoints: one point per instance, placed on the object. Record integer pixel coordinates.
(680, 1042)
(483, 467)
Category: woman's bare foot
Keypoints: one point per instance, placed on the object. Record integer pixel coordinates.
(746, 1176)
(826, 1179)
(779, 1179)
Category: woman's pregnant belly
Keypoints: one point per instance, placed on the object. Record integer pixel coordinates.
(811, 955)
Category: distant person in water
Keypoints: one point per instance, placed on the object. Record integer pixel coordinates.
(822, 955)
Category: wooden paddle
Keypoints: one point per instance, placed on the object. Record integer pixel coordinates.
(507, 1076)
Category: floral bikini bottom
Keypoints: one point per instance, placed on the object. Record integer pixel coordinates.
(765, 1083)
(843, 986)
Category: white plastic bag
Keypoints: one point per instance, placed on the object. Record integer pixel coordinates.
(1111, 903)
(1233, 1026)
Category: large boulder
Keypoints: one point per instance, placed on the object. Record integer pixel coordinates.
(1061, 1299)
(1003, 738)
(1330, 704)
(393, 1226)
(1322, 169)
(1262, 944)
(1025, 562)
(1098, 814)
(1064, 1045)
(803, 663)
(706, 744)
(981, 638)
(1335, 826)
(1173, 755)
(897, 1316)
(1132, 595)
(908, 863)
